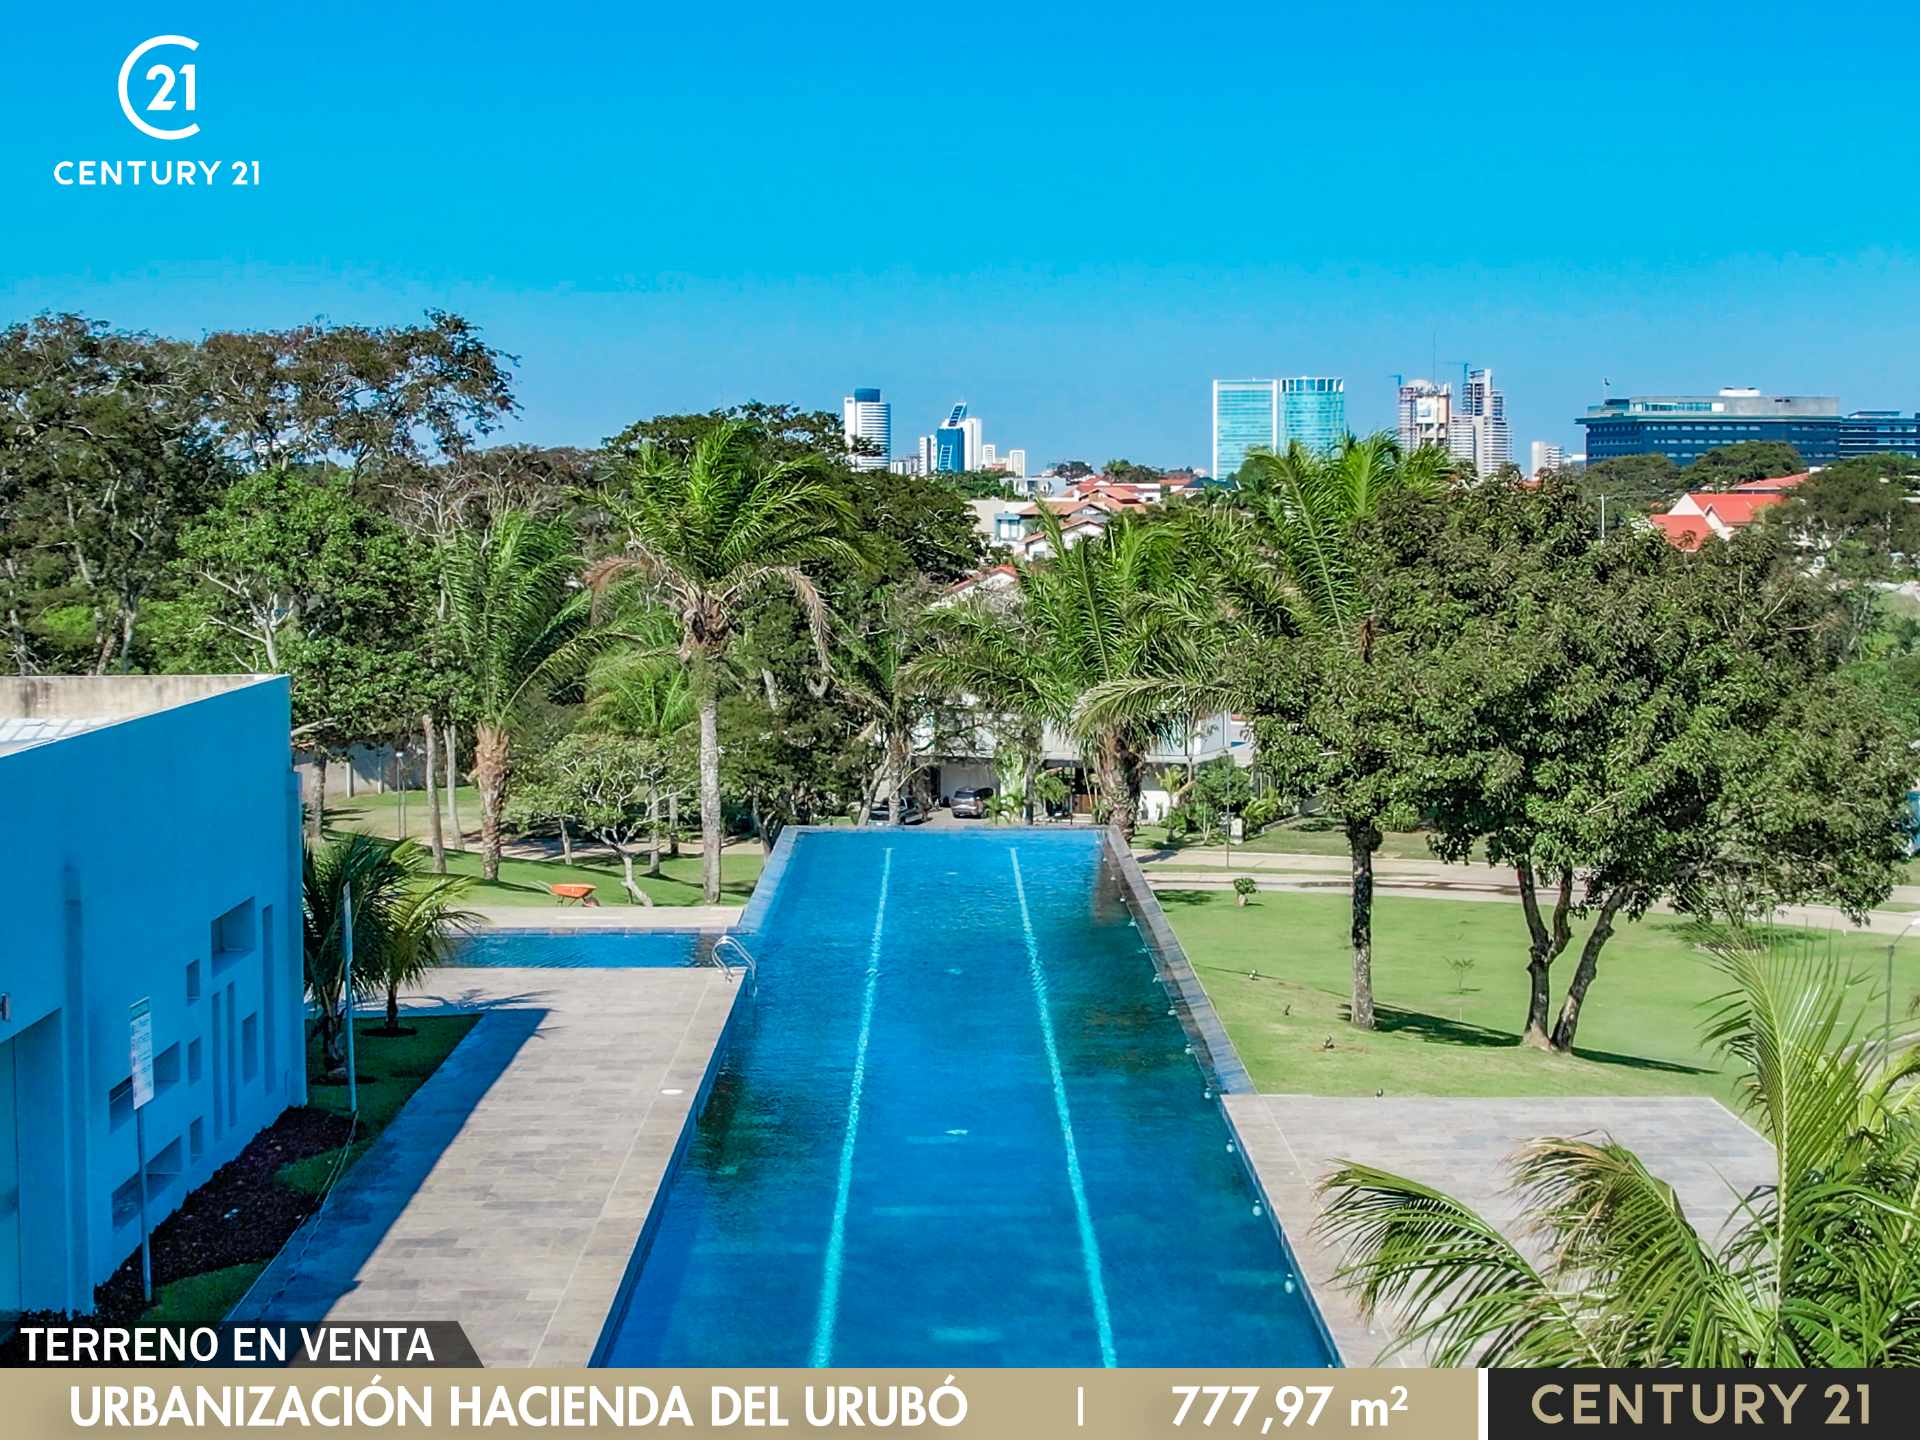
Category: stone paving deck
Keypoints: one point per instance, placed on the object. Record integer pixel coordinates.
(509, 1193)
(610, 915)
(1462, 1146)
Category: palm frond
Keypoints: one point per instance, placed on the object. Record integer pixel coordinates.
(1463, 1294)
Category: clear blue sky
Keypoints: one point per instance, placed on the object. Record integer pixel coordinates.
(1073, 216)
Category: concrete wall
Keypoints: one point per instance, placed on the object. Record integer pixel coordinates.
(123, 875)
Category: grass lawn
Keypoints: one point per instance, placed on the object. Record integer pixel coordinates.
(525, 882)
(379, 812)
(1446, 1034)
(396, 1066)
(202, 1299)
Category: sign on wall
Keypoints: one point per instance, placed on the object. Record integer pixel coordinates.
(140, 1042)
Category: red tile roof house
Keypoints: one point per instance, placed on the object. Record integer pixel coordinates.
(1698, 514)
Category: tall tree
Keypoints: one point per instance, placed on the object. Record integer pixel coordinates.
(1303, 642)
(1627, 486)
(708, 530)
(516, 621)
(1730, 465)
(1625, 724)
(1858, 517)
(104, 455)
(872, 670)
(649, 702)
(375, 398)
(289, 573)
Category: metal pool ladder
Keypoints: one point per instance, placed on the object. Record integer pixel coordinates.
(747, 962)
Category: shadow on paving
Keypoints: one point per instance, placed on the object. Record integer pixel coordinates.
(322, 1262)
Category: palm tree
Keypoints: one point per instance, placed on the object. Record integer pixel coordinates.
(707, 533)
(634, 693)
(870, 668)
(516, 617)
(1111, 614)
(403, 919)
(1280, 554)
(1821, 1266)
(423, 923)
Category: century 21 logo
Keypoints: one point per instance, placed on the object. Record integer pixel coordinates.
(167, 80)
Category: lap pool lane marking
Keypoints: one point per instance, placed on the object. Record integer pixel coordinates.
(1089, 1242)
(829, 1312)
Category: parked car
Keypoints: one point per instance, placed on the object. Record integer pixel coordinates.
(910, 811)
(971, 804)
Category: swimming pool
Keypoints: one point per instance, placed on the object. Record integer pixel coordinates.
(581, 949)
(958, 1124)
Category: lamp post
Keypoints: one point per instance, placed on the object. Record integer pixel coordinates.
(346, 963)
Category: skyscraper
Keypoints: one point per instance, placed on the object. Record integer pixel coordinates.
(864, 416)
(1544, 455)
(972, 443)
(1479, 434)
(1313, 410)
(1426, 415)
(950, 442)
(1246, 416)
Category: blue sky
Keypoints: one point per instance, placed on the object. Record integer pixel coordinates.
(1072, 216)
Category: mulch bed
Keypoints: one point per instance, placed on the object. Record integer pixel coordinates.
(241, 1214)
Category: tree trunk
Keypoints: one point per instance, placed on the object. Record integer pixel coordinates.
(393, 1008)
(653, 831)
(490, 753)
(1363, 838)
(436, 838)
(453, 786)
(1569, 1021)
(710, 833)
(1543, 947)
(566, 842)
(317, 812)
(673, 824)
(333, 1041)
(1117, 779)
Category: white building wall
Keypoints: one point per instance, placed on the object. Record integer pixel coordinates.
(119, 882)
(872, 421)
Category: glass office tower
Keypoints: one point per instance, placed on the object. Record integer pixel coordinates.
(1313, 410)
(1246, 417)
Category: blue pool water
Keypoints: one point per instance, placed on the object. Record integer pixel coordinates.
(580, 949)
(957, 1125)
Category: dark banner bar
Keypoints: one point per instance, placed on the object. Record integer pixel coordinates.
(1532, 1403)
(389, 1344)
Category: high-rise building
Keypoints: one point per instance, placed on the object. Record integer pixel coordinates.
(1246, 417)
(1426, 415)
(1544, 455)
(971, 443)
(1313, 410)
(1685, 427)
(950, 443)
(1479, 432)
(865, 417)
(929, 455)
